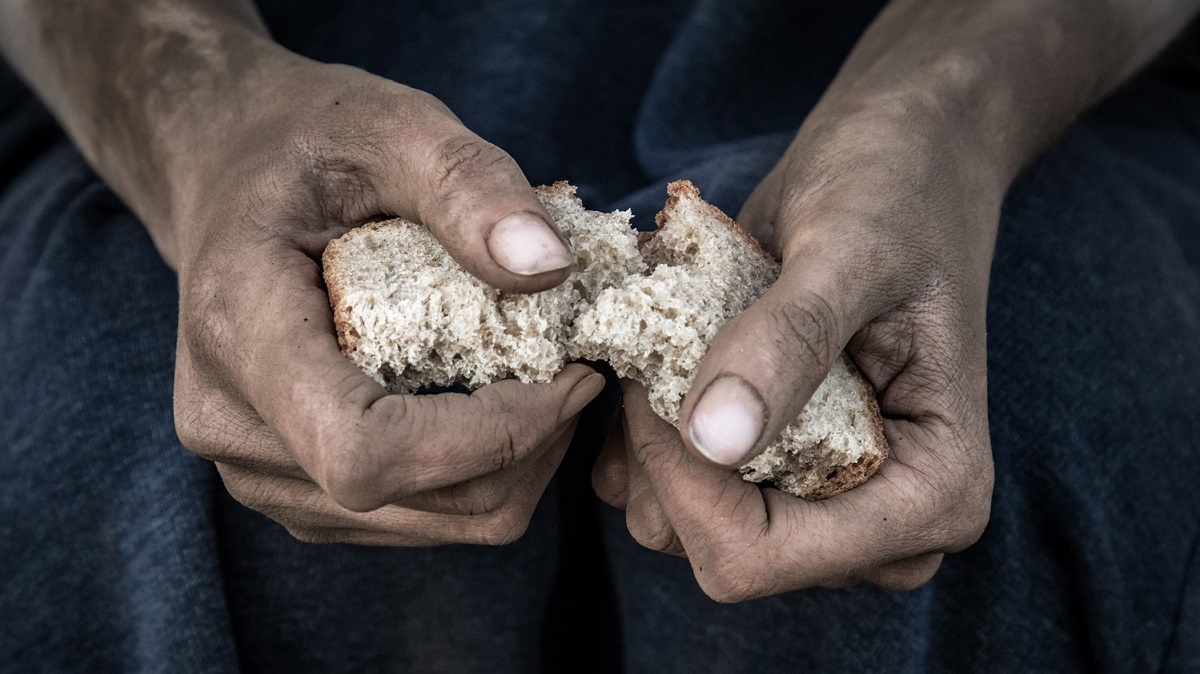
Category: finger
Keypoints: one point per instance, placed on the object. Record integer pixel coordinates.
(645, 518)
(764, 364)
(709, 508)
(245, 442)
(364, 447)
(869, 533)
(310, 515)
(475, 199)
(214, 425)
(490, 492)
(610, 477)
(841, 583)
(746, 542)
(905, 575)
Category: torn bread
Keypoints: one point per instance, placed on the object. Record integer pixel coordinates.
(410, 317)
(703, 269)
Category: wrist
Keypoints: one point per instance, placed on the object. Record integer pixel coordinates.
(950, 114)
(190, 117)
(1002, 78)
(892, 165)
(202, 138)
(137, 84)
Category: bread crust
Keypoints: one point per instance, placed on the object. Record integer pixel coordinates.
(845, 478)
(335, 287)
(681, 190)
(840, 479)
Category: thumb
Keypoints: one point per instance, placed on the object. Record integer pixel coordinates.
(764, 365)
(474, 198)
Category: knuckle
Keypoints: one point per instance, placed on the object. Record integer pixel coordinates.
(806, 326)
(313, 536)
(480, 498)
(611, 486)
(207, 316)
(463, 159)
(350, 467)
(425, 104)
(209, 430)
(653, 533)
(959, 513)
(521, 438)
(660, 451)
(514, 436)
(255, 492)
(242, 490)
(726, 579)
(966, 529)
(908, 575)
(351, 482)
(504, 450)
(906, 582)
(189, 426)
(506, 528)
(728, 588)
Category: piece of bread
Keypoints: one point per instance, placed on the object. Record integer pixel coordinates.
(655, 328)
(410, 317)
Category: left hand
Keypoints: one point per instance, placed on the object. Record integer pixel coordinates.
(885, 224)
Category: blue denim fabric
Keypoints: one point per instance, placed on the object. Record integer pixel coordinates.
(120, 551)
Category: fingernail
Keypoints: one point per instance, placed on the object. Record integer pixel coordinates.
(524, 244)
(727, 421)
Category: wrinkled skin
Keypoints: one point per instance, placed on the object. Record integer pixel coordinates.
(894, 270)
(306, 151)
(883, 211)
(325, 450)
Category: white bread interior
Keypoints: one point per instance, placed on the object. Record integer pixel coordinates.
(410, 317)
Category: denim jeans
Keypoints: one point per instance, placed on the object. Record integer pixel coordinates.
(120, 551)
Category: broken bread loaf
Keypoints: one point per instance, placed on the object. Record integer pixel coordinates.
(410, 317)
(703, 269)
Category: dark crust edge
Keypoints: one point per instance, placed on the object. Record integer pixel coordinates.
(848, 477)
(559, 187)
(682, 190)
(332, 261)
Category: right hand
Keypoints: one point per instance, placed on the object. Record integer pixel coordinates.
(261, 388)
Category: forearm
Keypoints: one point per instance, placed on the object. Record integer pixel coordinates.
(1004, 76)
(139, 85)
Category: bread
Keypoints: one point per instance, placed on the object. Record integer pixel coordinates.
(410, 317)
(703, 269)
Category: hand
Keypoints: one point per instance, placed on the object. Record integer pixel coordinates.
(297, 431)
(885, 237)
